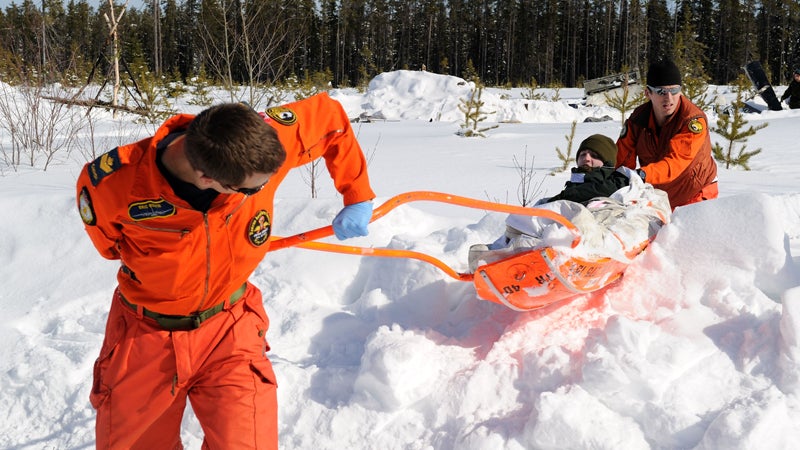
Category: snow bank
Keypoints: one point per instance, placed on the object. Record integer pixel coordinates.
(696, 347)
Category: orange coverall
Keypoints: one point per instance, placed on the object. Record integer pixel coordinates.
(676, 158)
(179, 261)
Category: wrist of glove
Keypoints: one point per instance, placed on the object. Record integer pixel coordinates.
(352, 220)
(641, 174)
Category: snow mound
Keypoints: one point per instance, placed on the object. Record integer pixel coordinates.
(419, 95)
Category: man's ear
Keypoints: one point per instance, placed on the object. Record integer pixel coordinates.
(203, 180)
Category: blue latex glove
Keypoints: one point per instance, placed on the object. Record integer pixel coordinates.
(352, 220)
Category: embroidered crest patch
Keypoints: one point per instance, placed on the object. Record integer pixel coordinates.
(104, 165)
(151, 209)
(85, 208)
(259, 229)
(695, 126)
(282, 115)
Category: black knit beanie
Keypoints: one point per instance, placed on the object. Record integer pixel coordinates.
(663, 73)
(603, 146)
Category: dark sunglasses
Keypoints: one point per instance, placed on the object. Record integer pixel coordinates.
(246, 191)
(663, 90)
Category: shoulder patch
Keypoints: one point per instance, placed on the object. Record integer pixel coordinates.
(103, 166)
(282, 115)
(151, 209)
(259, 229)
(695, 126)
(85, 208)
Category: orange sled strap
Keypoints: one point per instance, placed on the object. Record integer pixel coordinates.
(486, 289)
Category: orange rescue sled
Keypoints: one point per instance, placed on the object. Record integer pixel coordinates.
(523, 282)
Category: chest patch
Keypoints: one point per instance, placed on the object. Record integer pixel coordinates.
(104, 165)
(695, 126)
(151, 209)
(282, 115)
(259, 229)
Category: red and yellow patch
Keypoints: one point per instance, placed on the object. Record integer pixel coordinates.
(259, 229)
(696, 126)
(282, 115)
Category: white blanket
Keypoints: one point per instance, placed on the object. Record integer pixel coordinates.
(609, 226)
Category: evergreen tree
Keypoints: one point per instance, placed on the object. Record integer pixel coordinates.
(558, 42)
(566, 157)
(689, 56)
(731, 51)
(659, 25)
(628, 99)
(731, 127)
(188, 61)
(474, 114)
(170, 29)
(309, 26)
(329, 39)
(77, 42)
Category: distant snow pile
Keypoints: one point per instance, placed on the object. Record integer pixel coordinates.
(418, 95)
(409, 95)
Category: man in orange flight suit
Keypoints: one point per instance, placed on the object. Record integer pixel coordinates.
(188, 212)
(669, 136)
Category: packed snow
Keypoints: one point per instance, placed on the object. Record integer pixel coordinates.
(697, 346)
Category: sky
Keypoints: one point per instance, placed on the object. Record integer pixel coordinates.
(697, 346)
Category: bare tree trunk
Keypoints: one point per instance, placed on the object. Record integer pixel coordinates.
(44, 38)
(218, 56)
(113, 24)
(268, 40)
(262, 39)
(156, 37)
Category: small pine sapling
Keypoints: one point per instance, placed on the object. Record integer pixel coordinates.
(201, 90)
(529, 93)
(472, 108)
(731, 126)
(566, 157)
(696, 89)
(625, 100)
(152, 90)
(556, 94)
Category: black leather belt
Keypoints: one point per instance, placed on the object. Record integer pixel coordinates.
(186, 323)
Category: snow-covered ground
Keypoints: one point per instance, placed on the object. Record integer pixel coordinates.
(698, 346)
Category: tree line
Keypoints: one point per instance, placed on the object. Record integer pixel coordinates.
(347, 42)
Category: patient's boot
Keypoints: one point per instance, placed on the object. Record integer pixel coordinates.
(510, 243)
(481, 254)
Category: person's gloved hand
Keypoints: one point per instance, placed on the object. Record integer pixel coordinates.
(352, 220)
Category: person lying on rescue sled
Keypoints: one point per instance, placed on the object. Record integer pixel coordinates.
(614, 210)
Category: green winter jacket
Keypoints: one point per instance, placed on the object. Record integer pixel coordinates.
(588, 183)
(792, 92)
